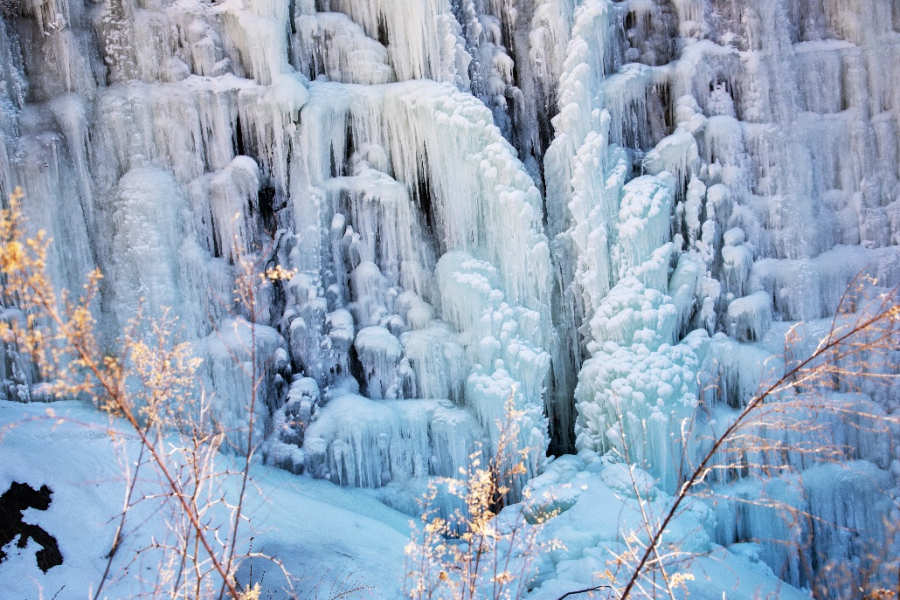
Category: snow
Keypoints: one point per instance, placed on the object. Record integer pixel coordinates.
(611, 213)
(583, 488)
(75, 454)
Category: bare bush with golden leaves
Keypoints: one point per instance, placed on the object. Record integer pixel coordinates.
(784, 422)
(150, 383)
(486, 550)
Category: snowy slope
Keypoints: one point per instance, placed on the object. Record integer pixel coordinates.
(322, 533)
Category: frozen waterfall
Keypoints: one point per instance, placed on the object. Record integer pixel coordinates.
(610, 211)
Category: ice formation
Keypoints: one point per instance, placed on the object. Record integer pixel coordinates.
(608, 211)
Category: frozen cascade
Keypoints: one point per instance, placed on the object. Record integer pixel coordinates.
(245, 365)
(611, 212)
(768, 220)
(191, 146)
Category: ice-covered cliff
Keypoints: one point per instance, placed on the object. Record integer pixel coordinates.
(612, 210)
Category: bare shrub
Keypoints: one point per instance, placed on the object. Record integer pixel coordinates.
(483, 549)
(150, 384)
(786, 423)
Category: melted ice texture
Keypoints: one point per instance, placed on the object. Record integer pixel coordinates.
(597, 209)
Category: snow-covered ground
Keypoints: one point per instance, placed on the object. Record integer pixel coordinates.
(322, 533)
(600, 510)
(328, 537)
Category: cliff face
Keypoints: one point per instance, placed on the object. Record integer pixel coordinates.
(600, 208)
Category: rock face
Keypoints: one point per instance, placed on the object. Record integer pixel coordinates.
(596, 208)
(18, 498)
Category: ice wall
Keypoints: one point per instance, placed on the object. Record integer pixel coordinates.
(185, 148)
(610, 211)
(767, 125)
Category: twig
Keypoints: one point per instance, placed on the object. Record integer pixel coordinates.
(889, 311)
(584, 591)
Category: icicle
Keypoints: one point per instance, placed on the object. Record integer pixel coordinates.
(361, 442)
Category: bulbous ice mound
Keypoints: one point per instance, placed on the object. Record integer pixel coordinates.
(379, 352)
